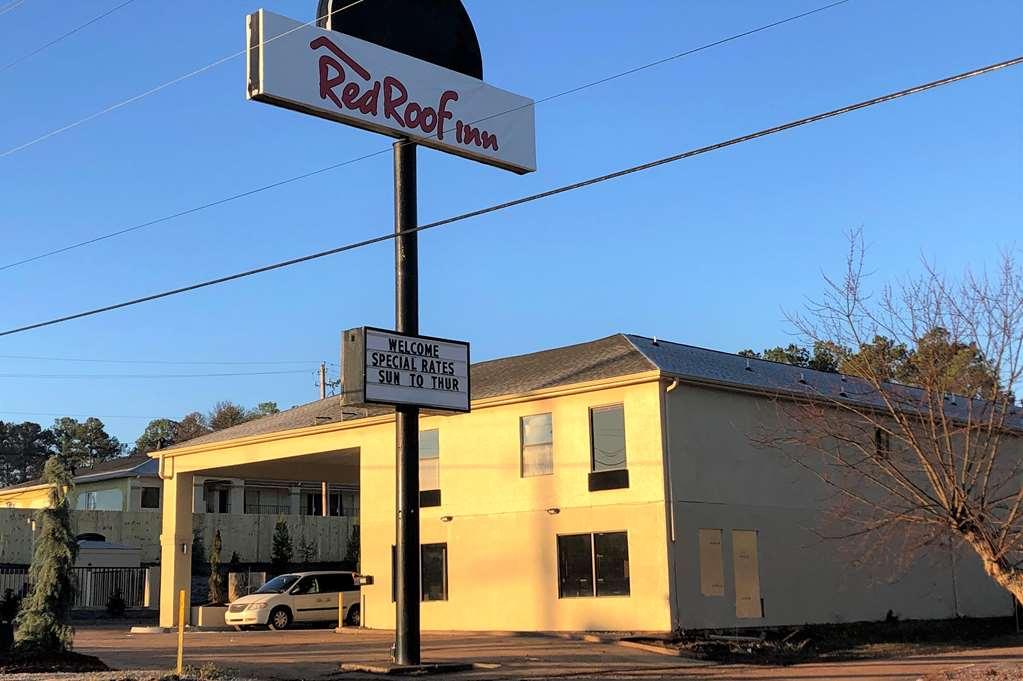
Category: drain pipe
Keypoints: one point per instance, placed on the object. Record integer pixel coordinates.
(673, 557)
(667, 446)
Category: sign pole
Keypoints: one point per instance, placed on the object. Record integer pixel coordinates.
(406, 314)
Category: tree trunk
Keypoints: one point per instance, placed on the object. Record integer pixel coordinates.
(998, 568)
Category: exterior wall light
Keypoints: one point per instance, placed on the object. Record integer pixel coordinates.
(446, 518)
(553, 510)
(184, 548)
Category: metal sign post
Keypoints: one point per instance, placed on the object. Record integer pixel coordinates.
(412, 70)
(406, 424)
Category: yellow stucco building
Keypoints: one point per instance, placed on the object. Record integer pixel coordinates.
(610, 485)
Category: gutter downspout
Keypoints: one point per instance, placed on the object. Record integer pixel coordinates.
(667, 446)
(672, 535)
(161, 470)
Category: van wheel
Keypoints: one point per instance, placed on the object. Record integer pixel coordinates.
(353, 618)
(280, 618)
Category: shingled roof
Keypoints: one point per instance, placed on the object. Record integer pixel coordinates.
(605, 358)
(611, 357)
(120, 467)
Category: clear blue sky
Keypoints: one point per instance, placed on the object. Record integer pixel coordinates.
(709, 251)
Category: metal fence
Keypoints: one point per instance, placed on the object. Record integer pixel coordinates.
(93, 586)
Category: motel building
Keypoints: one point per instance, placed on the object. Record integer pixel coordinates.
(610, 485)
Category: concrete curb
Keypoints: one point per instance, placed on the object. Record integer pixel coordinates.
(388, 669)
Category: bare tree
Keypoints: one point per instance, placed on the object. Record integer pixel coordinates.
(919, 436)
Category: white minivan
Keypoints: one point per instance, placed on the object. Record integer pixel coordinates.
(298, 597)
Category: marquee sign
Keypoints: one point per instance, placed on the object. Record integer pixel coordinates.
(342, 78)
(385, 367)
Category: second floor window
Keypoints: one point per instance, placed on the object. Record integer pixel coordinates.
(607, 438)
(537, 434)
(429, 468)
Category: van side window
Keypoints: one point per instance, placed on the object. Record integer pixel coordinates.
(308, 585)
(338, 582)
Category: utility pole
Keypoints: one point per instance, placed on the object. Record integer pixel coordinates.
(323, 380)
(406, 423)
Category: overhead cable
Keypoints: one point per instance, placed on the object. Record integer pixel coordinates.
(535, 197)
(385, 150)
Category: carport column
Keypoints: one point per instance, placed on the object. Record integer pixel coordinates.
(175, 546)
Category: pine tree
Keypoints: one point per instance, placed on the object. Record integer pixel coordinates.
(44, 623)
(216, 579)
(282, 551)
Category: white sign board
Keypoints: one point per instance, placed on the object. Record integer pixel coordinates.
(384, 367)
(336, 76)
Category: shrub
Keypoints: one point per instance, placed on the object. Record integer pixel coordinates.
(198, 552)
(9, 605)
(115, 604)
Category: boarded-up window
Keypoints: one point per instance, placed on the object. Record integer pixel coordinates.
(712, 564)
(747, 574)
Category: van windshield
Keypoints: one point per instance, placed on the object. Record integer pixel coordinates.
(278, 585)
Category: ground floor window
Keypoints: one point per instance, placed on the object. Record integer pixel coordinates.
(150, 497)
(593, 565)
(434, 572)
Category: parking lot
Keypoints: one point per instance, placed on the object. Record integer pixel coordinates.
(317, 653)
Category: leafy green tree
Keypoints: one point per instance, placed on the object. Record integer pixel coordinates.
(282, 551)
(24, 448)
(159, 434)
(82, 444)
(266, 408)
(216, 581)
(44, 623)
(191, 426)
(227, 414)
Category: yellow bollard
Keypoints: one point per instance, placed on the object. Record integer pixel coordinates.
(340, 611)
(181, 630)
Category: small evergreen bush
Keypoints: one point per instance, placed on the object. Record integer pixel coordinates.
(44, 623)
(282, 551)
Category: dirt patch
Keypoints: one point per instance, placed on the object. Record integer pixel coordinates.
(22, 662)
(853, 641)
(981, 672)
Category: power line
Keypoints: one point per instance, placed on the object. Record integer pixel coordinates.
(335, 166)
(536, 197)
(112, 376)
(79, 416)
(158, 88)
(14, 4)
(154, 361)
(65, 35)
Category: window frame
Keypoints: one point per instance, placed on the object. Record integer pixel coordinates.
(394, 573)
(625, 443)
(444, 571)
(523, 445)
(594, 577)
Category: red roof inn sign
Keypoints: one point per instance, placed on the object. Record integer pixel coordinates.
(342, 78)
